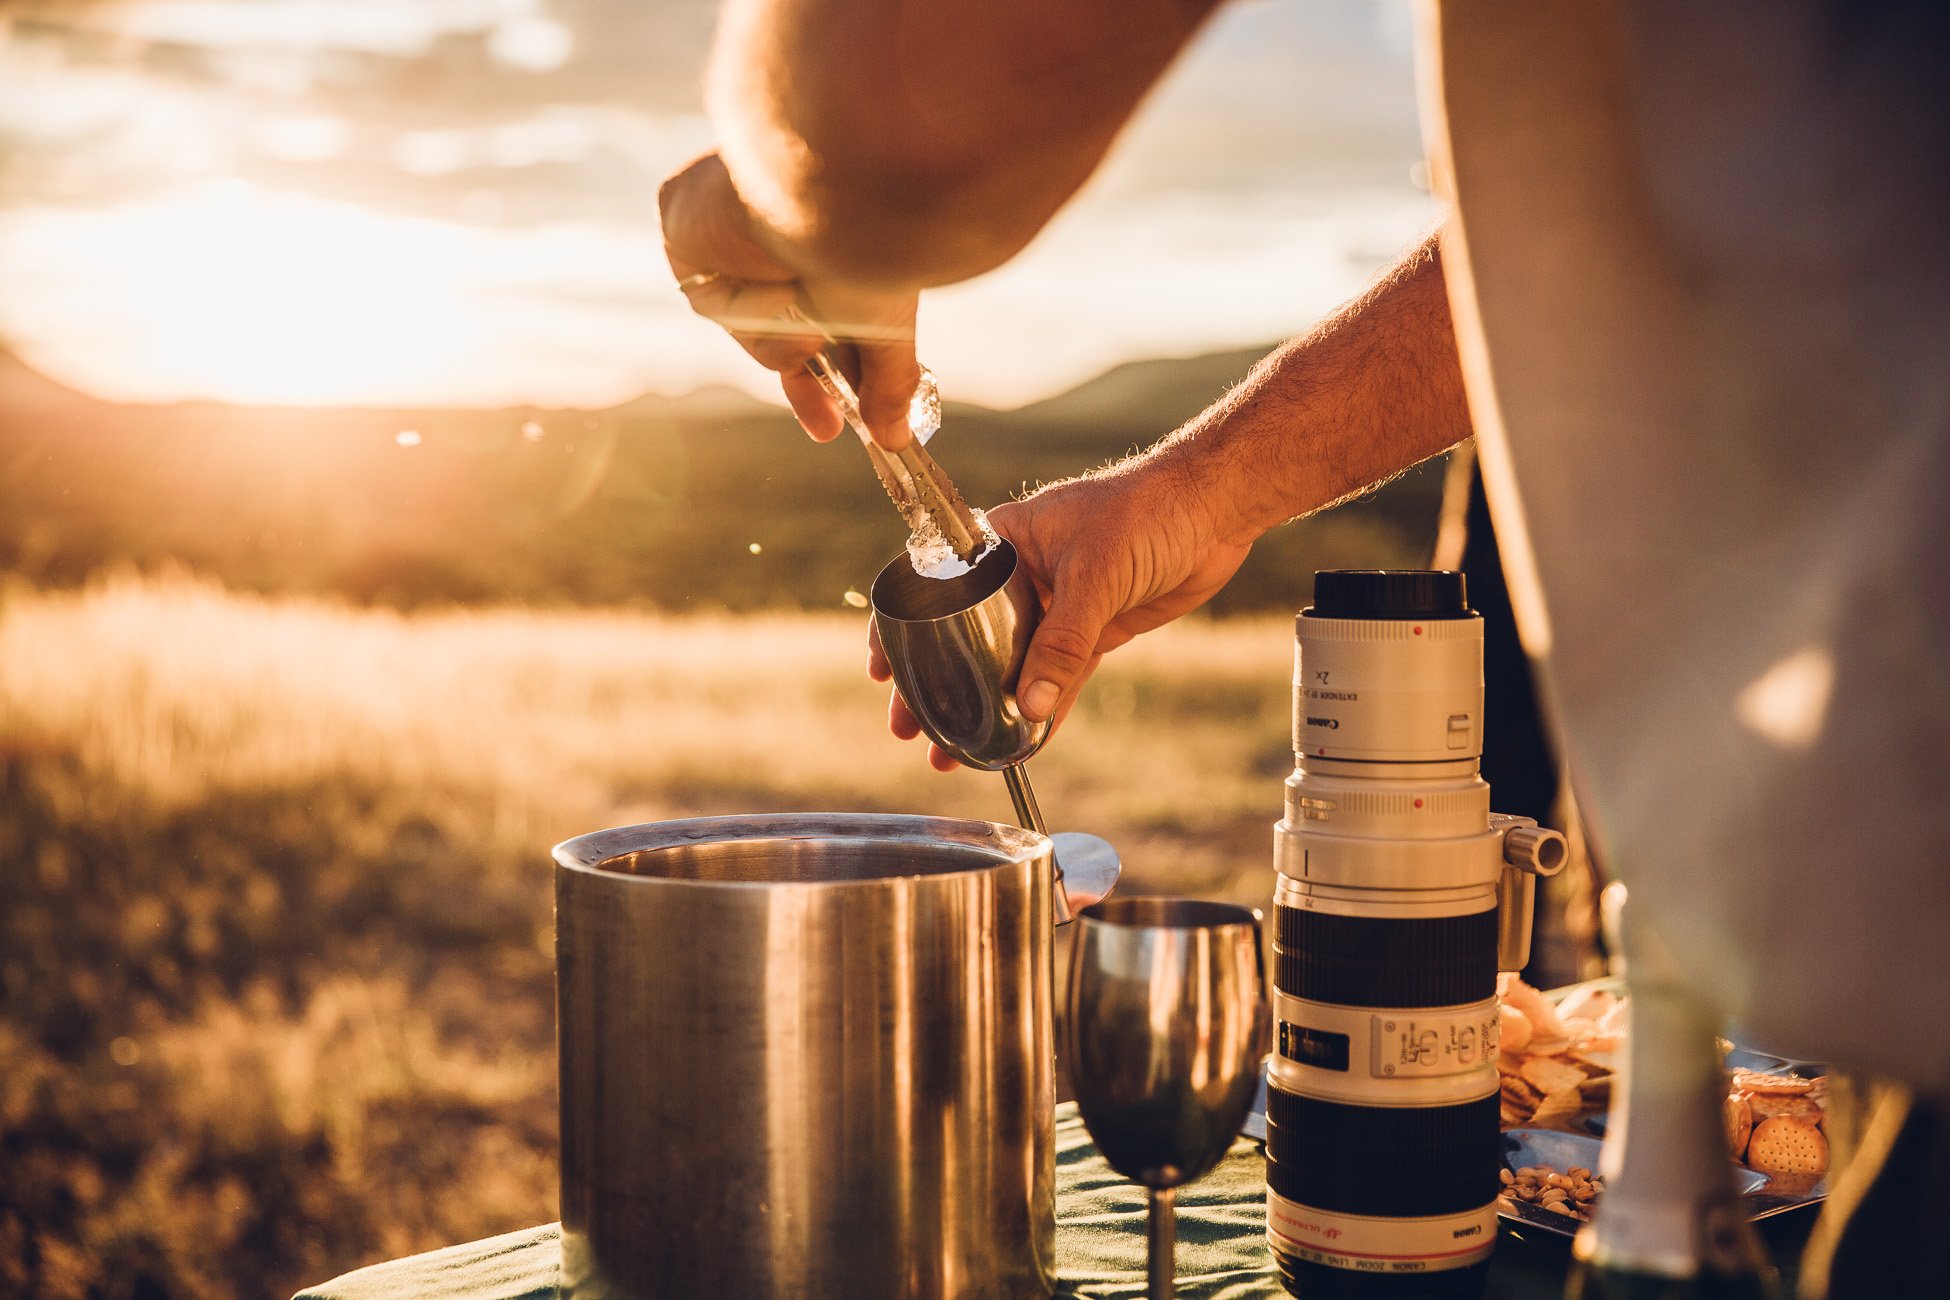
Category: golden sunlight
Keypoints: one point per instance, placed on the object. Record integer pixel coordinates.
(231, 291)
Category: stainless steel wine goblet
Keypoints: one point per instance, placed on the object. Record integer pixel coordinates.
(1167, 1026)
(956, 646)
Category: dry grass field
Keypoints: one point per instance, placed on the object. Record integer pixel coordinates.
(275, 935)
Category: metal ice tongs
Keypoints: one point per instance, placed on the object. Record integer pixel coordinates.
(920, 489)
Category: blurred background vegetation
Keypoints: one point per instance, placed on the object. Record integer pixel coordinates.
(708, 501)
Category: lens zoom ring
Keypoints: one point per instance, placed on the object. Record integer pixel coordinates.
(1394, 1163)
(1366, 961)
(1395, 1194)
(1337, 1123)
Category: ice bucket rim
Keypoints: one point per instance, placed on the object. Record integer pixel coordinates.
(587, 854)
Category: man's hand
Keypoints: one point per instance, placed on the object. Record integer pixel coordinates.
(1370, 391)
(732, 270)
(1111, 555)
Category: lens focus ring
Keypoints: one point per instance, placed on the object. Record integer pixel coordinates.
(1363, 961)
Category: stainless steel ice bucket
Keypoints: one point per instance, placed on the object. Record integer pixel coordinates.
(806, 1056)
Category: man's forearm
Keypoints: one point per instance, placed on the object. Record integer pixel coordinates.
(1372, 390)
(909, 143)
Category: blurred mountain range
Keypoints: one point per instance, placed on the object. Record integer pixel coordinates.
(711, 500)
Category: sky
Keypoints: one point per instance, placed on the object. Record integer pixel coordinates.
(453, 202)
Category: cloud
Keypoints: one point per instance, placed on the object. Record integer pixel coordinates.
(269, 297)
(1167, 278)
(1270, 94)
(411, 106)
(532, 44)
(504, 155)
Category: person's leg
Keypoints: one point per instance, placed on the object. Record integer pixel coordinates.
(1520, 757)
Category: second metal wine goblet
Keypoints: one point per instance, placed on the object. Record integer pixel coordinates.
(1167, 1026)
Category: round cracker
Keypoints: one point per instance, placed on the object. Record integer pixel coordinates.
(1739, 1117)
(1767, 1105)
(1787, 1145)
(1772, 1085)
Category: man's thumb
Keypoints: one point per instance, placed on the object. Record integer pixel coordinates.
(1060, 654)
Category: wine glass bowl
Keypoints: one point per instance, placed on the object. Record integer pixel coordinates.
(955, 646)
(1166, 1031)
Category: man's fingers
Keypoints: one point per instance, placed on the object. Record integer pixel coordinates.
(877, 666)
(1065, 647)
(889, 375)
(760, 315)
(900, 719)
(707, 227)
(725, 270)
(878, 329)
(818, 414)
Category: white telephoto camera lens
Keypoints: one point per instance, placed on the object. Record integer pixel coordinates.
(1383, 1145)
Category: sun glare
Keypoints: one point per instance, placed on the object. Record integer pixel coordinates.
(253, 296)
(231, 291)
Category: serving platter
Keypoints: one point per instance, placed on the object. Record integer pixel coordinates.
(1577, 1143)
(1764, 1195)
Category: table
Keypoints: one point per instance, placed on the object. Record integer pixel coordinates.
(1222, 1252)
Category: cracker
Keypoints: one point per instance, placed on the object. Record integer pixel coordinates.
(1772, 1085)
(1767, 1105)
(1739, 1117)
(1560, 1106)
(1548, 1074)
(1513, 1029)
(1786, 1144)
(1542, 1015)
(1587, 1003)
(1516, 1092)
(1590, 1064)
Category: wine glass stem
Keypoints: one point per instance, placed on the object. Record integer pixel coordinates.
(1162, 1244)
(1030, 818)
(1023, 796)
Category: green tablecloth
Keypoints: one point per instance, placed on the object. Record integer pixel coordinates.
(1222, 1251)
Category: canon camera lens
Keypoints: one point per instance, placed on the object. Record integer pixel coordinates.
(1382, 1137)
